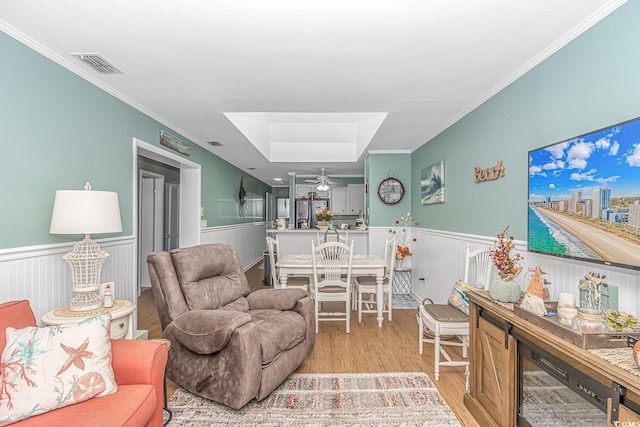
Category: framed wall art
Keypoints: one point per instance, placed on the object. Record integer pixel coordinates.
(432, 184)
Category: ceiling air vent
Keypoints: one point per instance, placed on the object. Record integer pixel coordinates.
(97, 62)
(214, 143)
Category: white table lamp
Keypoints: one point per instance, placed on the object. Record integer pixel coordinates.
(85, 212)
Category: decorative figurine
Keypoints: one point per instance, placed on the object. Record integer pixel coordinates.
(534, 299)
(108, 296)
(592, 285)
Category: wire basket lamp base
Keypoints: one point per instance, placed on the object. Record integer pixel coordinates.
(86, 301)
(86, 260)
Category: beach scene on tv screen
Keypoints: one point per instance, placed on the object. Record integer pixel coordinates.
(584, 196)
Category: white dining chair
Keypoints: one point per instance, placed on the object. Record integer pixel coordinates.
(443, 322)
(332, 262)
(366, 285)
(481, 268)
(273, 246)
(332, 237)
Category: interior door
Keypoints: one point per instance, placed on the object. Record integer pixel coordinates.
(150, 222)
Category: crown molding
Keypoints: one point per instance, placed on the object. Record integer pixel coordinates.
(84, 74)
(596, 17)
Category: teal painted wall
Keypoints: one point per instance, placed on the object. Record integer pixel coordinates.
(58, 131)
(380, 167)
(592, 82)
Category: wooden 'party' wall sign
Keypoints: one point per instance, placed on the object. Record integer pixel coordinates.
(489, 174)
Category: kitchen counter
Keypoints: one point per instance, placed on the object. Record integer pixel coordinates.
(298, 241)
(317, 230)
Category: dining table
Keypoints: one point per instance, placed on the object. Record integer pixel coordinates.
(361, 265)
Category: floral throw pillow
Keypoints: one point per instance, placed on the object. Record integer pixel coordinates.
(42, 369)
(458, 299)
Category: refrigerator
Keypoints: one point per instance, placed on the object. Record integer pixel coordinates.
(305, 211)
(270, 209)
(283, 208)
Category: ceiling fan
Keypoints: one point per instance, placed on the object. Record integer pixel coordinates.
(324, 182)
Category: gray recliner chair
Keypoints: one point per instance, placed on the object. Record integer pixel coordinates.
(227, 344)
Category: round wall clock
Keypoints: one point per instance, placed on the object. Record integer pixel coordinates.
(391, 191)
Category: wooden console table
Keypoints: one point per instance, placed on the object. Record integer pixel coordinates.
(496, 334)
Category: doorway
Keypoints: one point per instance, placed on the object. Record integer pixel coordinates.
(166, 204)
(158, 227)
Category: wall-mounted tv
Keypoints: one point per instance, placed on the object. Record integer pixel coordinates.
(584, 197)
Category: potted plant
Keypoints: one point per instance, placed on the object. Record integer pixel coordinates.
(324, 217)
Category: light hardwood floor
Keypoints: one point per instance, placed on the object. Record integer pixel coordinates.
(367, 349)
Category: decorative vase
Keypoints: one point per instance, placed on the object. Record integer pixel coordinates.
(400, 264)
(504, 291)
(323, 224)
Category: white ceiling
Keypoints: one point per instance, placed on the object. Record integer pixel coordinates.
(416, 66)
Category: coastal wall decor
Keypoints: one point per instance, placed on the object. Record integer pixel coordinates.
(242, 197)
(432, 184)
(489, 174)
(584, 197)
(174, 143)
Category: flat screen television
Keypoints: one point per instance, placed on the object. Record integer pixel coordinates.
(584, 197)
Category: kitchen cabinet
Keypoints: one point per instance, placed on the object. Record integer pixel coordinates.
(303, 190)
(356, 199)
(340, 200)
(347, 200)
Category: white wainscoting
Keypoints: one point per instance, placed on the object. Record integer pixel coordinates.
(247, 239)
(40, 275)
(438, 258)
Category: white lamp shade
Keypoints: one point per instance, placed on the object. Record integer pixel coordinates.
(85, 212)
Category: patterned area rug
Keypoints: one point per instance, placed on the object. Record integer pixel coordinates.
(389, 399)
(404, 301)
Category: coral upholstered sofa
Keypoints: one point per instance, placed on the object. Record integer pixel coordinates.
(138, 368)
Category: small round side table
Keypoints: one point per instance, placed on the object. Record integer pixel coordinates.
(121, 317)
